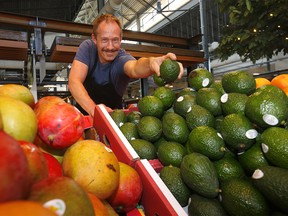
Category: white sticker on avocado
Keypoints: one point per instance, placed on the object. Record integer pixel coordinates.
(220, 135)
(220, 197)
(270, 119)
(265, 148)
(205, 82)
(108, 149)
(224, 98)
(179, 99)
(58, 206)
(258, 174)
(120, 124)
(189, 109)
(240, 153)
(251, 134)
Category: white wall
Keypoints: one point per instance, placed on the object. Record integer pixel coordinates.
(279, 62)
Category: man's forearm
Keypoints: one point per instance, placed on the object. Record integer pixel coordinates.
(140, 68)
(143, 67)
(81, 96)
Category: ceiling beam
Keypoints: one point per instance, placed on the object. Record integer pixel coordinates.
(137, 15)
(49, 25)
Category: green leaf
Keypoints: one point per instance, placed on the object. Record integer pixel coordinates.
(248, 5)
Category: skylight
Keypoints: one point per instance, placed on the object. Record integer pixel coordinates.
(157, 13)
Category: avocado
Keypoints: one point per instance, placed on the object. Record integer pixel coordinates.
(174, 127)
(240, 197)
(202, 206)
(169, 70)
(272, 182)
(199, 173)
(171, 177)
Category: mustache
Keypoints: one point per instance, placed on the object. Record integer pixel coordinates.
(110, 50)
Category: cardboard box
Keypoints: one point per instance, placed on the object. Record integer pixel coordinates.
(156, 198)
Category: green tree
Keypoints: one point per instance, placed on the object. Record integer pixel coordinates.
(257, 29)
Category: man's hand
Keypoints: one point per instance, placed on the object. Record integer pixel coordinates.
(155, 63)
(108, 109)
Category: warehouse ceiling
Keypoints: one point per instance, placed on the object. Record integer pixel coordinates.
(82, 11)
(85, 11)
(129, 12)
(55, 9)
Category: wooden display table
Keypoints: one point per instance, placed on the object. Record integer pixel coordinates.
(13, 45)
(65, 48)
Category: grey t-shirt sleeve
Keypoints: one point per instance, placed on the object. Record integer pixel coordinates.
(86, 53)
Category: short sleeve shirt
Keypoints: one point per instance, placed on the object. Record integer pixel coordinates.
(87, 54)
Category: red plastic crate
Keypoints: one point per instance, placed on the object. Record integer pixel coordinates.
(88, 122)
(156, 199)
(110, 134)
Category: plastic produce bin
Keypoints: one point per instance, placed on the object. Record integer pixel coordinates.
(157, 199)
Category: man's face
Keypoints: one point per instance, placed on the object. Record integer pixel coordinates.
(108, 41)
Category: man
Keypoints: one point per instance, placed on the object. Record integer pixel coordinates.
(101, 70)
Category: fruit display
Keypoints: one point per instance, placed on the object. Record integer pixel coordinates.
(129, 190)
(199, 78)
(63, 195)
(222, 146)
(98, 172)
(20, 207)
(171, 176)
(48, 167)
(18, 92)
(37, 162)
(234, 134)
(58, 129)
(15, 179)
(18, 119)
